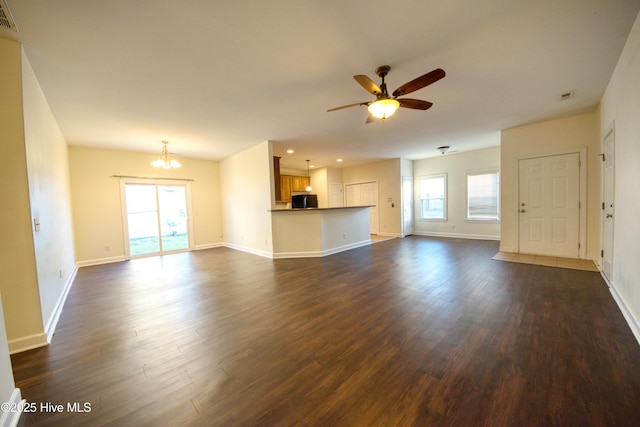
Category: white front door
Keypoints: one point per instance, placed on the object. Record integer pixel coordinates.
(549, 205)
(608, 204)
(407, 205)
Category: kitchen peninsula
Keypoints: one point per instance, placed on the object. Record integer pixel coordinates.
(317, 232)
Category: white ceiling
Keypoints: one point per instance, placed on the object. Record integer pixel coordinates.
(216, 77)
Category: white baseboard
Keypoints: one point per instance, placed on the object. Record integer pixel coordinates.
(208, 246)
(346, 247)
(100, 261)
(29, 342)
(249, 250)
(50, 327)
(624, 308)
(11, 418)
(318, 254)
(457, 235)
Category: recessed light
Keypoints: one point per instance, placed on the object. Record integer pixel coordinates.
(339, 160)
(289, 151)
(312, 166)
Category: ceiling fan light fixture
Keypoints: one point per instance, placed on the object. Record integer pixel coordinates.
(383, 108)
(164, 161)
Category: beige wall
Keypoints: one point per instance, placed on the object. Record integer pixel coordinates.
(387, 174)
(50, 199)
(555, 136)
(455, 165)
(247, 195)
(621, 104)
(18, 279)
(97, 209)
(8, 392)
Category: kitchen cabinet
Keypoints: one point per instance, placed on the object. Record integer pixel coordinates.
(285, 188)
(291, 184)
(299, 183)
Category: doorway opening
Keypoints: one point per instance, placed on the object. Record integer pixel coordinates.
(156, 217)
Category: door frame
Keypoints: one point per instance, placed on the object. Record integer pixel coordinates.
(607, 273)
(155, 182)
(582, 215)
(407, 195)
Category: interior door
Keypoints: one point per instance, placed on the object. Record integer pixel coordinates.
(608, 204)
(335, 195)
(407, 205)
(549, 205)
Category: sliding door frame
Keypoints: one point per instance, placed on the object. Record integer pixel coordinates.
(156, 183)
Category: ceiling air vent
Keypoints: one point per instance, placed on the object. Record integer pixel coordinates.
(6, 20)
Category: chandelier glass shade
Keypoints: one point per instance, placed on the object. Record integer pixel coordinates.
(164, 161)
(383, 108)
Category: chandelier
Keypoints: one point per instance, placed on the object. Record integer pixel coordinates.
(164, 161)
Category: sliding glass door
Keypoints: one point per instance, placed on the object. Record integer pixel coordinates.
(156, 217)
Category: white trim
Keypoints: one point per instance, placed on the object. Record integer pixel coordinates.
(249, 250)
(318, 254)
(582, 177)
(10, 419)
(55, 316)
(209, 246)
(457, 236)
(155, 182)
(633, 323)
(468, 173)
(99, 261)
(445, 208)
(29, 342)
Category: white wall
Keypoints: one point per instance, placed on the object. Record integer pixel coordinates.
(621, 104)
(50, 199)
(553, 136)
(387, 174)
(247, 196)
(455, 165)
(97, 210)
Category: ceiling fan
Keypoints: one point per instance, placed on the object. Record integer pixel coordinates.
(385, 105)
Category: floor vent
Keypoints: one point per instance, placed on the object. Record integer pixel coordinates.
(6, 20)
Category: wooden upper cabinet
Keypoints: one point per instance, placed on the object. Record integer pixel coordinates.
(285, 188)
(300, 183)
(289, 184)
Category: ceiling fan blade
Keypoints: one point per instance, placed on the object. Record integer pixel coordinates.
(349, 106)
(420, 82)
(368, 84)
(415, 104)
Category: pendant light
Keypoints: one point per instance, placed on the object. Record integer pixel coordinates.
(164, 161)
(308, 189)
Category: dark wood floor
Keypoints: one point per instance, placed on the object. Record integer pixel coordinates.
(415, 331)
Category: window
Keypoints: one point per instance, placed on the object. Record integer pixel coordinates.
(483, 196)
(433, 202)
